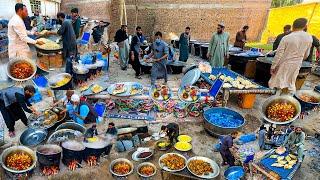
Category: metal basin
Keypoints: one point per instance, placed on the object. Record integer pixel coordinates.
(33, 137)
(215, 129)
(304, 104)
(13, 149)
(73, 126)
(234, 173)
(274, 99)
(121, 160)
(12, 62)
(146, 164)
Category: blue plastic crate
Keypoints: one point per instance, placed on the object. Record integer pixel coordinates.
(100, 108)
(40, 81)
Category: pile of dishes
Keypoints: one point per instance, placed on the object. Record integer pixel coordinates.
(48, 119)
(125, 89)
(189, 94)
(160, 93)
(183, 143)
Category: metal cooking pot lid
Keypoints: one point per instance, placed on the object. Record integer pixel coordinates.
(190, 77)
(33, 137)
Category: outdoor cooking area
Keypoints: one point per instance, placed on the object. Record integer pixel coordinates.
(61, 149)
(138, 90)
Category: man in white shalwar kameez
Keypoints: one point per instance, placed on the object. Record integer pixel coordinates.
(18, 34)
(293, 49)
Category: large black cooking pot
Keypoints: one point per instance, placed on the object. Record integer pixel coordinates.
(204, 50)
(49, 155)
(97, 148)
(197, 48)
(72, 150)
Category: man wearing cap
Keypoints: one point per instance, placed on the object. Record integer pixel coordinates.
(295, 142)
(83, 113)
(218, 47)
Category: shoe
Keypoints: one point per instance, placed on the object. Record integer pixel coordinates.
(12, 134)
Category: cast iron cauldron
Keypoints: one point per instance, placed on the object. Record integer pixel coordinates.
(49, 155)
(96, 148)
(72, 150)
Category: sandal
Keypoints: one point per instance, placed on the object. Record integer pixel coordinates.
(12, 134)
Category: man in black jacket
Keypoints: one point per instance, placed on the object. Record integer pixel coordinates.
(13, 103)
(135, 51)
(98, 31)
(121, 38)
(286, 31)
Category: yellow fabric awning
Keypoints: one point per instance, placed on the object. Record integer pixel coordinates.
(279, 17)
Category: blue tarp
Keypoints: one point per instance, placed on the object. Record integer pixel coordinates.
(283, 173)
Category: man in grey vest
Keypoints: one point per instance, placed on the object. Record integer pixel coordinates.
(13, 103)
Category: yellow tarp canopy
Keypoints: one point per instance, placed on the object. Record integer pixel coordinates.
(279, 17)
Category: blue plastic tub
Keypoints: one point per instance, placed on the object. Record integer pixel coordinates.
(234, 173)
(37, 97)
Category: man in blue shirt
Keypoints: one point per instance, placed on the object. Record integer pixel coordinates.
(83, 113)
(225, 149)
(159, 53)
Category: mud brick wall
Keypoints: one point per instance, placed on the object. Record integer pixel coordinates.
(172, 16)
(93, 9)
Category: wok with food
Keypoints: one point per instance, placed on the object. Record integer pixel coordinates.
(121, 167)
(21, 70)
(281, 111)
(59, 80)
(119, 88)
(146, 169)
(172, 162)
(48, 44)
(203, 167)
(18, 159)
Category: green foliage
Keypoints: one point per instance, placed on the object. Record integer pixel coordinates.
(282, 3)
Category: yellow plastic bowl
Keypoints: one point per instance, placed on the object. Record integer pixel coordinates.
(183, 146)
(184, 138)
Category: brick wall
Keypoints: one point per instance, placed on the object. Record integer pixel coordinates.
(172, 16)
(93, 9)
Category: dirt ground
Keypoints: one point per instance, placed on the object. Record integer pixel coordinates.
(202, 142)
